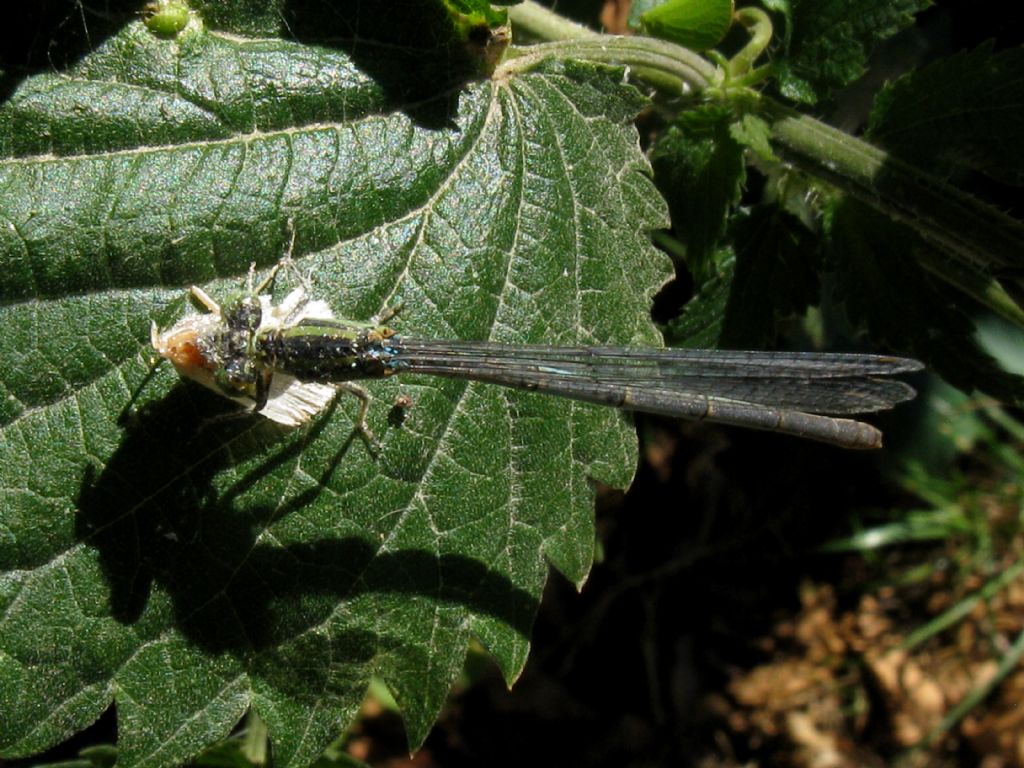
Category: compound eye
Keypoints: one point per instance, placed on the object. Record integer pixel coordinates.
(245, 315)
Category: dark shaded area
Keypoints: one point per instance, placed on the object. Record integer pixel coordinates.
(952, 25)
(701, 557)
(50, 35)
(895, 298)
(156, 518)
(410, 47)
(102, 732)
(948, 27)
(778, 267)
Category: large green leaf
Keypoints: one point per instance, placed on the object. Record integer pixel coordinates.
(962, 112)
(188, 566)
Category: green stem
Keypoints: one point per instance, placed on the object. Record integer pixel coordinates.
(544, 24)
(972, 232)
(670, 68)
(676, 68)
(759, 27)
(753, 77)
(984, 289)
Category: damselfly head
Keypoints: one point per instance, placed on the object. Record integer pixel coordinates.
(187, 345)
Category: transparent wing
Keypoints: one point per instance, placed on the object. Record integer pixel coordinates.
(780, 391)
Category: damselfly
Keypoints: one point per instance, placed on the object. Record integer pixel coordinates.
(289, 360)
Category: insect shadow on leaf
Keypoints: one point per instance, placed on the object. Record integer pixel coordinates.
(160, 521)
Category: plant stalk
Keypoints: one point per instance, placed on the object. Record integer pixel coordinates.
(542, 23)
(670, 68)
(957, 224)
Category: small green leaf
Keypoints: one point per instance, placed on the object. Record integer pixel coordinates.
(966, 111)
(754, 133)
(258, 18)
(472, 13)
(695, 24)
(699, 168)
(699, 325)
(794, 87)
(189, 567)
(828, 42)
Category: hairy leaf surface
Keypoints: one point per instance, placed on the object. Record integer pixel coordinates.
(158, 552)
